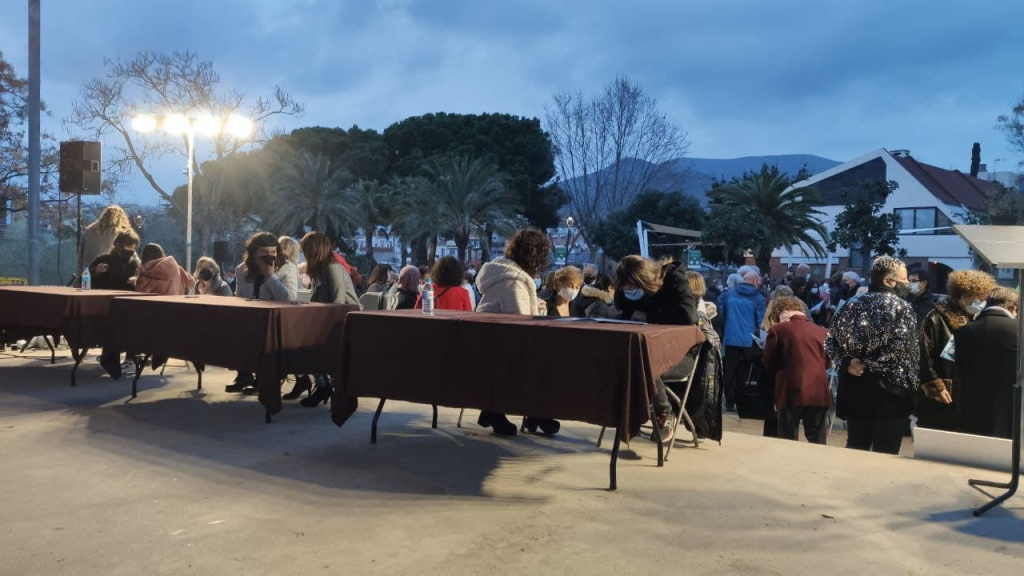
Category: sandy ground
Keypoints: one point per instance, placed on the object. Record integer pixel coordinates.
(186, 482)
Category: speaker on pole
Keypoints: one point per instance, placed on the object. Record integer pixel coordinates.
(80, 167)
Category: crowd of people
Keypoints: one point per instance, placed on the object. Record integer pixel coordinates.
(892, 348)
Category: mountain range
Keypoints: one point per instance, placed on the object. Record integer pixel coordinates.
(697, 174)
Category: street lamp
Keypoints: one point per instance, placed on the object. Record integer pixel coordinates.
(208, 125)
(568, 236)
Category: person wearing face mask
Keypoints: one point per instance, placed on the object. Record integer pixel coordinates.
(921, 298)
(256, 279)
(115, 269)
(566, 285)
(937, 403)
(208, 280)
(986, 367)
(448, 291)
(658, 293)
(873, 340)
(596, 301)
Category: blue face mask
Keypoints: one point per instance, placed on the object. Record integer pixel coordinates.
(536, 282)
(633, 295)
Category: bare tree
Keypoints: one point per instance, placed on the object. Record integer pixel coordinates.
(610, 148)
(153, 82)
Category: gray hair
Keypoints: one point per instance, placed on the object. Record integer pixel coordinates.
(851, 275)
(207, 260)
(744, 270)
(1003, 297)
(290, 248)
(885, 267)
(781, 290)
(752, 277)
(733, 280)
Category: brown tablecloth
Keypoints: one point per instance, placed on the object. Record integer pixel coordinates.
(599, 373)
(81, 316)
(270, 339)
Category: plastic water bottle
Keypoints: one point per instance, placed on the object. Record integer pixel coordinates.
(428, 298)
(86, 280)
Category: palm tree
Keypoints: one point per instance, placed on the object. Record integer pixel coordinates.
(473, 198)
(782, 215)
(368, 203)
(310, 194)
(415, 212)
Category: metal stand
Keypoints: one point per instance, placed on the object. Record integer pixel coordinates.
(1011, 486)
(140, 365)
(433, 421)
(78, 355)
(613, 481)
(376, 417)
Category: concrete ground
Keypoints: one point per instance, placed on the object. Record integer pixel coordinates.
(186, 482)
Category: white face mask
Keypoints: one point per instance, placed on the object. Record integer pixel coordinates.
(976, 307)
(814, 290)
(568, 294)
(914, 286)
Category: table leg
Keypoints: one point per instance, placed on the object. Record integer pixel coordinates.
(433, 422)
(267, 420)
(199, 374)
(656, 434)
(613, 485)
(139, 367)
(78, 355)
(376, 416)
(53, 351)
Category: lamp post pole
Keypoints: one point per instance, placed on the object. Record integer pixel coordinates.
(568, 237)
(191, 137)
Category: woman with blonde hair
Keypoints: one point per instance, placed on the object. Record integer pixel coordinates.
(98, 237)
(565, 286)
(938, 405)
(208, 279)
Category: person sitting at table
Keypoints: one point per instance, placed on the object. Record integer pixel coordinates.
(448, 291)
(98, 237)
(658, 293)
(595, 299)
(288, 264)
(378, 280)
(257, 279)
(565, 287)
(208, 280)
(115, 269)
(408, 287)
(332, 284)
(506, 287)
(161, 275)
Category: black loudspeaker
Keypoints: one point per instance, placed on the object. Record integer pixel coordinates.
(220, 252)
(80, 167)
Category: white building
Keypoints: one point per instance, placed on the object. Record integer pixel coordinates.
(928, 201)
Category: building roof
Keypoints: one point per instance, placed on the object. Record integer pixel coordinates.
(949, 186)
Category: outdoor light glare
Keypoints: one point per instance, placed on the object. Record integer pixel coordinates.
(208, 125)
(238, 126)
(176, 124)
(144, 123)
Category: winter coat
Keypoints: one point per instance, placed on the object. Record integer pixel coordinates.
(985, 372)
(592, 303)
(506, 289)
(215, 287)
(922, 305)
(742, 310)
(795, 352)
(95, 244)
(274, 288)
(448, 298)
(334, 286)
(406, 300)
(673, 303)
(704, 404)
(163, 276)
(119, 269)
(937, 372)
(880, 329)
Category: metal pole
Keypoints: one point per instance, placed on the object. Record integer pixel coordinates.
(33, 143)
(188, 216)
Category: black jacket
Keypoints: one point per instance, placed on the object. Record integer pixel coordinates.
(986, 369)
(119, 269)
(592, 303)
(923, 304)
(673, 303)
(937, 372)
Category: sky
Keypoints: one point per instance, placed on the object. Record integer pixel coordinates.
(837, 79)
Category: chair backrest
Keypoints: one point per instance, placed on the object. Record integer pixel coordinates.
(378, 301)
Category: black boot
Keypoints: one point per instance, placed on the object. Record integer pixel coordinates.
(302, 384)
(314, 399)
(497, 421)
(242, 381)
(547, 426)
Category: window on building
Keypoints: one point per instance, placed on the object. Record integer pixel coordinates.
(924, 218)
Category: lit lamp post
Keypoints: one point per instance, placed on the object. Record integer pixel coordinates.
(569, 222)
(188, 126)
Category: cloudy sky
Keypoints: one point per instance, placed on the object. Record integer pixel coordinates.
(834, 78)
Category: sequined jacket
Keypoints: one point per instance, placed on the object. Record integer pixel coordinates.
(880, 329)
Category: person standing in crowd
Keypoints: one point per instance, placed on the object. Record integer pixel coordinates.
(378, 280)
(698, 288)
(408, 287)
(331, 284)
(704, 403)
(596, 301)
(160, 274)
(874, 342)
(116, 269)
(986, 367)
(794, 352)
(446, 276)
(742, 310)
(208, 280)
(921, 298)
(257, 279)
(506, 287)
(566, 285)
(938, 403)
(98, 237)
(589, 275)
(658, 294)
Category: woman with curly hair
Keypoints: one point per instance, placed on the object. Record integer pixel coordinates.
(937, 404)
(506, 287)
(98, 237)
